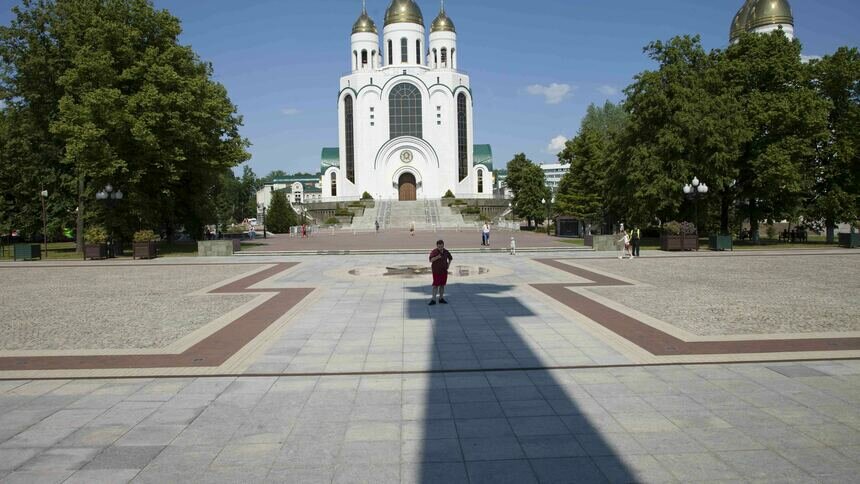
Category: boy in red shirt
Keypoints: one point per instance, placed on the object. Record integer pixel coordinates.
(440, 258)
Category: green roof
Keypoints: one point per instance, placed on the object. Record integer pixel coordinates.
(483, 155)
(330, 158)
(298, 178)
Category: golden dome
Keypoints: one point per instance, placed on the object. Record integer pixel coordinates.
(739, 25)
(442, 23)
(364, 24)
(769, 12)
(403, 11)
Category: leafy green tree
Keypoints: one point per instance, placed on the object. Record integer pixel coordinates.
(582, 192)
(786, 122)
(836, 194)
(106, 94)
(280, 216)
(273, 175)
(528, 183)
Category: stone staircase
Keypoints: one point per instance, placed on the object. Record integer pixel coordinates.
(426, 214)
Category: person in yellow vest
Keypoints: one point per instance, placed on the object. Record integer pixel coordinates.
(636, 236)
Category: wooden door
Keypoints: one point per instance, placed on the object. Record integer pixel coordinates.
(407, 184)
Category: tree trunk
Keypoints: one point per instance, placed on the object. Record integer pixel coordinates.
(79, 235)
(754, 221)
(831, 230)
(724, 214)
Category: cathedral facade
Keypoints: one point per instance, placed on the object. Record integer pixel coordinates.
(405, 118)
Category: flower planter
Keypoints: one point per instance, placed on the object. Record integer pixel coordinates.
(674, 243)
(721, 242)
(27, 252)
(95, 251)
(144, 250)
(850, 241)
(215, 248)
(589, 240)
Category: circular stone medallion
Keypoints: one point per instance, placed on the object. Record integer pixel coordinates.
(406, 156)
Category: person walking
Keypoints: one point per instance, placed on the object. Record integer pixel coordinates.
(625, 244)
(440, 259)
(412, 229)
(637, 240)
(377, 226)
(485, 239)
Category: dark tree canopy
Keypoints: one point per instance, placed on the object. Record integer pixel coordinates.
(101, 92)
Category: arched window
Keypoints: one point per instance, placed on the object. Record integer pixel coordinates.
(350, 138)
(404, 50)
(404, 106)
(364, 58)
(417, 51)
(373, 59)
(354, 60)
(480, 181)
(462, 136)
(390, 52)
(333, 184)
(453, 58)
(435, 59)
(444, 57)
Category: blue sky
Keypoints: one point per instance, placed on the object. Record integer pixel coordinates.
(535, 66)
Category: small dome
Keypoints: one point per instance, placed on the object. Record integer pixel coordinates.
(403, 11)
(739, 24)
(442, 23)
(769, 12)
(364, 24)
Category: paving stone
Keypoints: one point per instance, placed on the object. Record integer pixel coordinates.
(795, 371)
(436, 450)
(12, 458)
(820, 461)
(303, 475)
(373, 431)
(696, 467)
(725, 439)
(426, 472)
(501, 472)
(40, 476)
(429, 429)
(94, 436)
(547, 446)
(61, 459)
(367, 473)
(382, 452)
(131, 457)
(151, 435)
(497, 448)
(761, 464)
(632, 468)
(610, 444)
(484, 427)
(246, 455)
(545, 425)
(567, 470)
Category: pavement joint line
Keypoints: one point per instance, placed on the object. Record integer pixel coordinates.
(435, 372)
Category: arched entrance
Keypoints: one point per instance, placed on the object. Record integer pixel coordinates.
(406, 184)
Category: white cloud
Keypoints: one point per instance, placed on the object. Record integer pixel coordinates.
(554, 93)
(290, 111)
(808, 58)
(607, 90)
(556, 144)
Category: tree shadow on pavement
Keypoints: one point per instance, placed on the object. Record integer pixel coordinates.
(487, 420)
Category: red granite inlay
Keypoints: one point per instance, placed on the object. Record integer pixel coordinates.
(660, 343)
(211, 351)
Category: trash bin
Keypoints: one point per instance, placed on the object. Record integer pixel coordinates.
(27, 252)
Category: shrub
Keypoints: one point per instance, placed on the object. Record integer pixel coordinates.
(771, 231)
(448, 194)
(281, 215)
(332, 221)
(366, 196)
(484, 218)
(688, 228)
(471, 211)
(672, 228)
(142, 236)
(356, 205)
(234, 229)
(342, 212)
(96, 235)
(458, 202)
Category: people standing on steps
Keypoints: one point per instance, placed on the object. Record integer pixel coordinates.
(440, 259)
(485, 234)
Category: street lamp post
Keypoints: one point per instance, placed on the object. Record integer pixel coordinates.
(694, 191)
(262, 207)
(111, 197)
(511, 212)
(44, 195)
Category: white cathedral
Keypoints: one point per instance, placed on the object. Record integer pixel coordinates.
(405, 115)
